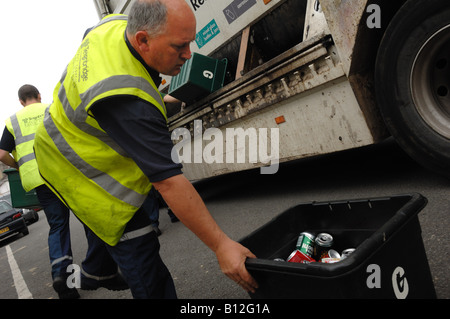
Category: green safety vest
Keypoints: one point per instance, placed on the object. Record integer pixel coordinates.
(23, 126)
(93, 175)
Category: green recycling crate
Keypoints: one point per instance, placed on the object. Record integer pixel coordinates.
(20, 198)
(199, 76)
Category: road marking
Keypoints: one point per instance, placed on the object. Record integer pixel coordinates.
(21, 286)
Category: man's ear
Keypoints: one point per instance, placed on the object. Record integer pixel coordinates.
(22, 102)
(142, 40)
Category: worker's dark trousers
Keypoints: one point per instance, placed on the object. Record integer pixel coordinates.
(57, 215)
(137, 255)
(151, 207)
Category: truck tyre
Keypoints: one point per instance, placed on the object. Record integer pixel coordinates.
(412, 81)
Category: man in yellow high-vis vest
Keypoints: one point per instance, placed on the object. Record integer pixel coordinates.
(18, 138)
(106, 138)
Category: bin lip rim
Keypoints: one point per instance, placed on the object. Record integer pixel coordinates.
(10, 170)
(368, 247)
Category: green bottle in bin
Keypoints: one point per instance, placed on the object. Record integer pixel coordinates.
(20, 198)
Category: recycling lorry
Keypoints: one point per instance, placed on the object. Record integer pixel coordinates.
(300, 78)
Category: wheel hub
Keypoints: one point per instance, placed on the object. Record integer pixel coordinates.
(430, 82)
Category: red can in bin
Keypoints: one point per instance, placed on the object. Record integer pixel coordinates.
(298, 257)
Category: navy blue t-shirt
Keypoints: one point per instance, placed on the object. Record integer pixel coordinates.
(7, 142)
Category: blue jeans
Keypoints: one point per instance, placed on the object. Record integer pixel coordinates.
(138, 259)
(59, 246)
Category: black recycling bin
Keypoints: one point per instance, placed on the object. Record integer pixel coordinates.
(389, 260)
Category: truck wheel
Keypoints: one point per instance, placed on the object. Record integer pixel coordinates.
(412, 81)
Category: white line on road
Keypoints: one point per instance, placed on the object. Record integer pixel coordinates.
(21, 286)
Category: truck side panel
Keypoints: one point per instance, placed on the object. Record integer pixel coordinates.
(297, 67)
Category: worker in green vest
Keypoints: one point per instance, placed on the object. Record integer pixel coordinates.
(105, 143)
(18, 139)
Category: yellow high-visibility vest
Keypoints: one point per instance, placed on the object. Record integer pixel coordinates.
(23, 126)
(93, 175)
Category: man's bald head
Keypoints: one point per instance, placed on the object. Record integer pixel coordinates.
(152, 15)
(161, 32)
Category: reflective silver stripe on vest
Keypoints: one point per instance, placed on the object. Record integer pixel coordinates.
(102, 179)
(78, 118)
(26, 159)
(20, 139)
(111, 19)
(118, 82)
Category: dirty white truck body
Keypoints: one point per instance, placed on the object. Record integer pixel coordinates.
(322, 74)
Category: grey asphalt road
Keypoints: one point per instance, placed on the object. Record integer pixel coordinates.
(244, 201)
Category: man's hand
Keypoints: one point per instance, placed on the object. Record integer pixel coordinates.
(231, 257)
(7, 159)
(185, 202)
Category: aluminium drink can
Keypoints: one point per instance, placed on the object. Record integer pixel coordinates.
(322, 244)
(330, 260)
(299, 257)
(330, 256)
(346, 252)
(305, 243)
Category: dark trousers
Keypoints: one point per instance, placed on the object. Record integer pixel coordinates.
(152, 204)
(151, 207)
(137, 257)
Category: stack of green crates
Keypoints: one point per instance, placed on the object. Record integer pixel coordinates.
(20, 198)
(199, 76)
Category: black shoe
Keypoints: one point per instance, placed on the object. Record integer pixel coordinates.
(64, 292)
(116, 283)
